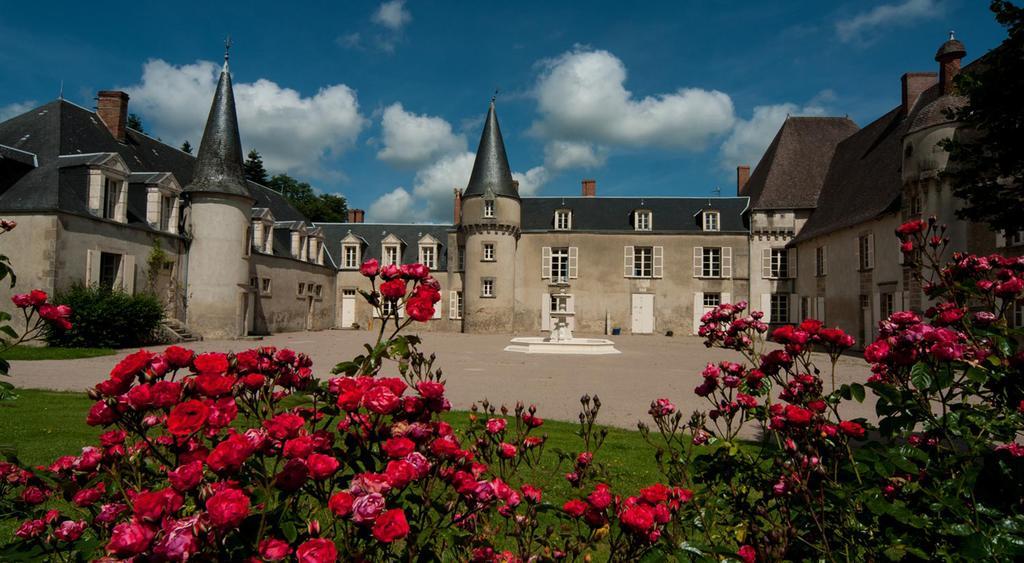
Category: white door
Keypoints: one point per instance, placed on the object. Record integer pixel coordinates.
(643, 313)
(348, 307)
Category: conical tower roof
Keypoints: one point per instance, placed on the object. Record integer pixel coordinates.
(218, 166)
(491, 172)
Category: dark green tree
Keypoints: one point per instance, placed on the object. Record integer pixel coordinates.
(254, 170)
(135, 122)
(987, 159)
(325, 208)
(186, 147)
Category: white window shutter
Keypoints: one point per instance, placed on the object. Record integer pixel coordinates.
(791, 263)
(726, 298)
(128, 274)
(794, 308)
(545, 262)
(766, 307)
(698, 310)
(1000, 239)
(437, 310)
(453, 304)
(627, 269)
(819, 308)
(659, 261)
(545, 311)
(871, 250)
(698, 261)
(726, 261)
(92, 267)
(766, 263)
(574, 262)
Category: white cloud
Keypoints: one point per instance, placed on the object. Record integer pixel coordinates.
(392, 207)
(15, 109)
(562, 155)
(412, 140)
(531, 181)
(582, 96)
(750, 137)
(392, 15)
(902, 13)
(294, 133)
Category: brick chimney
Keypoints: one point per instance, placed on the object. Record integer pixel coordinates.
(355, 215)
(913, 84)
(589, 188)
(112, 107)
(948, 57)
(742, 176)
(457, 207)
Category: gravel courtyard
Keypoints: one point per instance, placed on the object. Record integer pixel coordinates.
(477, 367)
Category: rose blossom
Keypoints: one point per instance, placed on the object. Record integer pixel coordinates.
(228, 508)
(370, 268)
(322, 466)
(341, 504)
(129, 539)
(187, 418)
(367, 507)
(273, 549)
(317, 550)
(391, 526)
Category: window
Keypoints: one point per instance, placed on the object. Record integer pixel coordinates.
(887, 304)
(109, 266)
(266, 286)
(820, 267)
(563, 220)
(712, 263)
(455, 305)
(559, 265)
(460, 258)
(390, 254)
(254, 283)
(247, 249)
(643, 262)
(111, 194)
(387, 308)
(1016, 239)
(350, 256)
(319, 291)
(489, 209)
(777, 265)
(1018, 315)
(915, 204)
(712, 300)
(711, 222)
(302, 288)
(864, 251)
(489, 252)
(487, 287)
(780, 308)
(428, 256)
(166, 210)
(642, 220)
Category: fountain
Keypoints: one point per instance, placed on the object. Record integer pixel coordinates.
(561, 340)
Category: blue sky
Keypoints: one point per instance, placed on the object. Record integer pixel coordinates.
(383, 101)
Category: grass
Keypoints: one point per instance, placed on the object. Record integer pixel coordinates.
(23, 353)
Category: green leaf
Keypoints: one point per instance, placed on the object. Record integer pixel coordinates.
(921, 376)
(857, 391)
(977, 375)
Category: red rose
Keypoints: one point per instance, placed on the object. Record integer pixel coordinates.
(131, 365)
(150, 506)
(186, 477)
(444, 447)
(293, 476)
(187, 418)
(140, 397)
(222, 412)
(100, 414)
(507, 450)
(575, 508)
(299, 447)
(129, 539)
(88, 497)
(69, 530)
(390, 271)
(393, 290)
(420, 310)
(638, 518)
(877, 351)
(166, 394)
(398, 447)
(747, 554)
(213, 385)
(322, 466)
(212, 363)
(655, 493)
(911, 227)
(532, 494)
(399, 473)
(273, 549)
(341, 504)
(430, 389)
(370, 268)
(852, 429)
(798, 416)
(391, 526)
(285, 425)
(415, 271)
(600, 499)
(367, 507)
(229, 455)
(178, 357)
(380, 399)
(317, 550)
(496, 425)
(228, 508)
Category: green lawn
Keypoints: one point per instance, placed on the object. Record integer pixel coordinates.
(47, 353)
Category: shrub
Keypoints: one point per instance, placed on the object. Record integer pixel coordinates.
(106, 318)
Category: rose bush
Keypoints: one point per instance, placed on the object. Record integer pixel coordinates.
(249, 456)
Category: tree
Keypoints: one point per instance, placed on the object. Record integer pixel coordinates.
(186, 147)
(254, 170)
(987, 162)
(135, 122)
(324, 208)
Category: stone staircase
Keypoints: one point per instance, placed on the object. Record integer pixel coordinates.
(179, 331)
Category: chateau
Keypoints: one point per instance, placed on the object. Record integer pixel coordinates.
(809, 233)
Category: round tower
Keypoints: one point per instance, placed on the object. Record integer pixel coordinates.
(220, 210)
(490, 227)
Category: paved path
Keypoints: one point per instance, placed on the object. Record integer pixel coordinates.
(476, 367)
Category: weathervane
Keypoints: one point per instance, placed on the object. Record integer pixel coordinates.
(951, 35)
(495, 96)
(227, 47)
(718, 191)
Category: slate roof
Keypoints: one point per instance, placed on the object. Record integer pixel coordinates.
(373, 234)
(491, 172)
(612, 214)
(218, 166)
(793, 168)
(63, 128)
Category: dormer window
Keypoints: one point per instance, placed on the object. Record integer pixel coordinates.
(167, 209)
(642, 220)
(111, 198)
(563, 220)
(350, 256)
(390, 254)
(489, 209)
(428, 256)
(712, 221)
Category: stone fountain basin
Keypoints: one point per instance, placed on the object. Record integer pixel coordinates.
(580, 346)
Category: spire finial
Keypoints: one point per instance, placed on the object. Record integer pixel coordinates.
(952, 35)
(495, 96)
(227, 49)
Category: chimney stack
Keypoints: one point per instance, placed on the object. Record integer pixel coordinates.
(112, 107)
(742, 176)
(457, 207)
(912, 85)
(355, 215)
(948, 57)
(589, 188)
